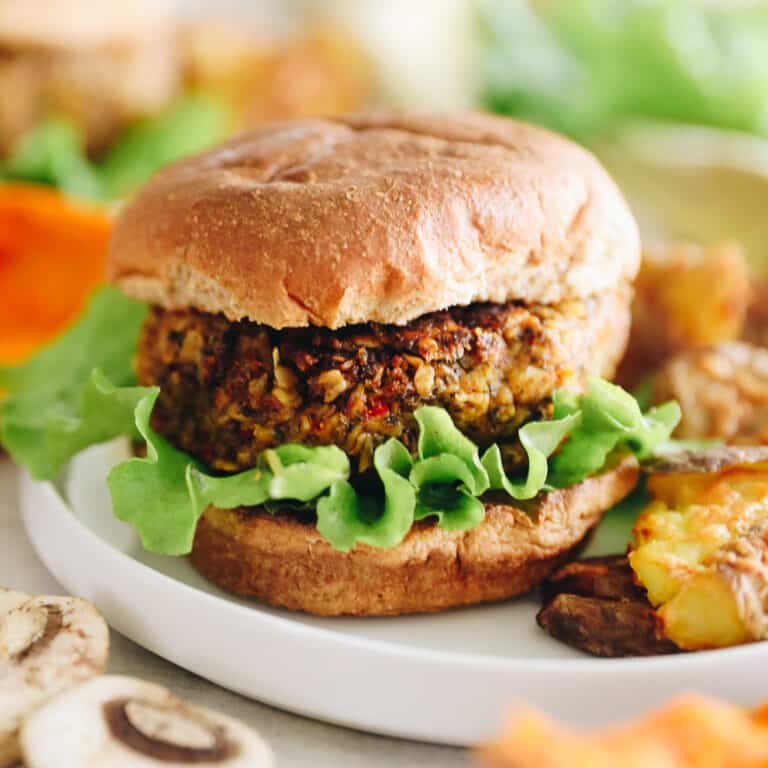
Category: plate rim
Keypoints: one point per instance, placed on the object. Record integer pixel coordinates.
(655, 662)
(478, 669)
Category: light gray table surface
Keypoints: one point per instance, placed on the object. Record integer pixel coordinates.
(296, 742)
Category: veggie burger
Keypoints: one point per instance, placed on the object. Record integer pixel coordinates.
(363, 361)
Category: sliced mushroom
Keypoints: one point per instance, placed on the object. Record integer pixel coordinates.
(10, 599)
(47, 644)
(9, 747)
(718, 458)
(605, 578)
(594, 605)
(122, 722)
(609, 628)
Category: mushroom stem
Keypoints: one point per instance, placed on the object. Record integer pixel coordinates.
(47, 644)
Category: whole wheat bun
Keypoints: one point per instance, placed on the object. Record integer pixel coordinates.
(375, 218)
(286, 563)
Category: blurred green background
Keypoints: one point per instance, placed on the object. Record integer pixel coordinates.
(585, 66)
(672, 94)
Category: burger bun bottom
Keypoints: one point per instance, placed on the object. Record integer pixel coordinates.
(284, 562)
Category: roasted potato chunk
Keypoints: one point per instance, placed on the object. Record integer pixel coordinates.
(756, 326)
(700, 549)
(594, 605)
(691, 732)
(686, 297)
(722, 391)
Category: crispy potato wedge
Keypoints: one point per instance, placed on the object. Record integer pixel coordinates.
(700, 548)
(722, 391)
(690, 732)
(686, 296)
(594, 605)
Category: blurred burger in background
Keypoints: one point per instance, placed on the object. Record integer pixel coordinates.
(98, 95)
(103, 65)
(78, 80)
(321, 71)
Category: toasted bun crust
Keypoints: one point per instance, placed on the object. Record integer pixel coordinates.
(379, 218)
(287, 563)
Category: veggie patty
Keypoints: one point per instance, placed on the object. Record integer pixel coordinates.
(229, 390)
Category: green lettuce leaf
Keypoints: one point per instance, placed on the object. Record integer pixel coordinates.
(52, 153)
(58, 403)
(448, 476)
(585, 67)
(453, 508)
(163, 494)
(191, 125)
(439, 438)
(76, 392)
(155, 494)
(540, 439)
(607, 418)
(346, 518)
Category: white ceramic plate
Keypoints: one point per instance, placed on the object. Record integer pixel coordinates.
(447, 678)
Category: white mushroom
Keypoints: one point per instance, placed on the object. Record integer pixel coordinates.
(47, 644)
(9, 747)
(10, 599)
(122, 722)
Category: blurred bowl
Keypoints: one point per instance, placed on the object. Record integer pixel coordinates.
(694, 183)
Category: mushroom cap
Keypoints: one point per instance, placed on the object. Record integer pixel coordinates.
(47, 644)
(123, 722)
